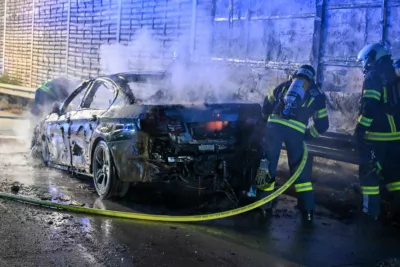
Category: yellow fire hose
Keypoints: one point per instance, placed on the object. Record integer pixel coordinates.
(168, 218)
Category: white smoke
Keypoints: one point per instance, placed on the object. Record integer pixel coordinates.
(189, 83)
(204, 78)
(143, 54)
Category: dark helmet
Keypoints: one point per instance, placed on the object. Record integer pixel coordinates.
(370, 54)
(305, 71)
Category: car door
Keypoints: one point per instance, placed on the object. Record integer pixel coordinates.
(58, 129)
(98, 98)
(54, 137)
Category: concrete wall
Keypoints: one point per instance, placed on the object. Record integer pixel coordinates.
(263, 40)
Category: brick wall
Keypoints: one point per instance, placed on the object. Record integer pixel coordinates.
(165, 22)
(264, 40)
(49, 40)
(273, 33)
(18, 39)
(92, 24)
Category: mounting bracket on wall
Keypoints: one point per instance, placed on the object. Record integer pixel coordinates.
(384, 20)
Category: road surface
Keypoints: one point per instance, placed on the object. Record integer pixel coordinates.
(33, 236)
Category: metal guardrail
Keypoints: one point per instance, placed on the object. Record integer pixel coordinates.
(13, 117)
(16, 90)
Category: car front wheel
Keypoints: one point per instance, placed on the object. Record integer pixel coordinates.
(105, 176)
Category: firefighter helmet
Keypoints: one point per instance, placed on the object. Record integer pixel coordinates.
(370, 54)
(305, 71)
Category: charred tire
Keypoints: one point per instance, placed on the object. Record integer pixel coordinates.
(105, 175)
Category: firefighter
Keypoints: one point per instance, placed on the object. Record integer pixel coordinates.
(287, 110)
(47, 98)
(49, 93)
(377, 129)
(392, 159)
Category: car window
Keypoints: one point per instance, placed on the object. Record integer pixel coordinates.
(101, 96)
(76, 102)
(146, 92)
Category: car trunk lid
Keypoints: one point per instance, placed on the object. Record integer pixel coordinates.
(211, 121)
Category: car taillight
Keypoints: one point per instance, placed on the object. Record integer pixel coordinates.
(215, 125)
(175, 127)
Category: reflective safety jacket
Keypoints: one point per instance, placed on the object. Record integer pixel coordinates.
(379, 104)
(313, 106)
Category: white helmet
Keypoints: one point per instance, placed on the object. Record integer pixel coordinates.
(370, 54)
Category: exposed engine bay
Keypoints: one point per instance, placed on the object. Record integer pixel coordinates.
(209, 156)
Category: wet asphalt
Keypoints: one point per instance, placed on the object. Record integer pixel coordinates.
(35, 236)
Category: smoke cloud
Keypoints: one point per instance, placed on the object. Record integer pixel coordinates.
(190, 81)
(196, 78)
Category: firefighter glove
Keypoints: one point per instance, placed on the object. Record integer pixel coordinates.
(263, 176)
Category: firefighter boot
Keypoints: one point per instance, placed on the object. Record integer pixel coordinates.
(266, 209)
(307, 216)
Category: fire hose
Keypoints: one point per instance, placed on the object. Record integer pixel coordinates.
(168, 218)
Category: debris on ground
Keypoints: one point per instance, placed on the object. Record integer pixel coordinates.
(15, 188)
(393, 262)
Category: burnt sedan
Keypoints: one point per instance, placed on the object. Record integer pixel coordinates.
(104, 130)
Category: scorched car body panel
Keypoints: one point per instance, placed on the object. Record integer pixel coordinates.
(146, 142)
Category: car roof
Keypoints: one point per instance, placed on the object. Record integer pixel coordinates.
(124, 78)
(135, 76)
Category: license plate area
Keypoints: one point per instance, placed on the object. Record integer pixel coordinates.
(205, 148)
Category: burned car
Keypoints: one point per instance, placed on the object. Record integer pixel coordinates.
(105, 131)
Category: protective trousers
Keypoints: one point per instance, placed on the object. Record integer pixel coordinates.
(381, 170)
(276, 134)
(391, 176)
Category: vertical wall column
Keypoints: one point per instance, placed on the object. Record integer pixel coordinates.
(33, 25)
(119, 21)
(230, 15)
(193, 28)
(384, 20)
(67, 42)
(4, 35)
(318, 37)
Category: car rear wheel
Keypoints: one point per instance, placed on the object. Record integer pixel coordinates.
(105, 176)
